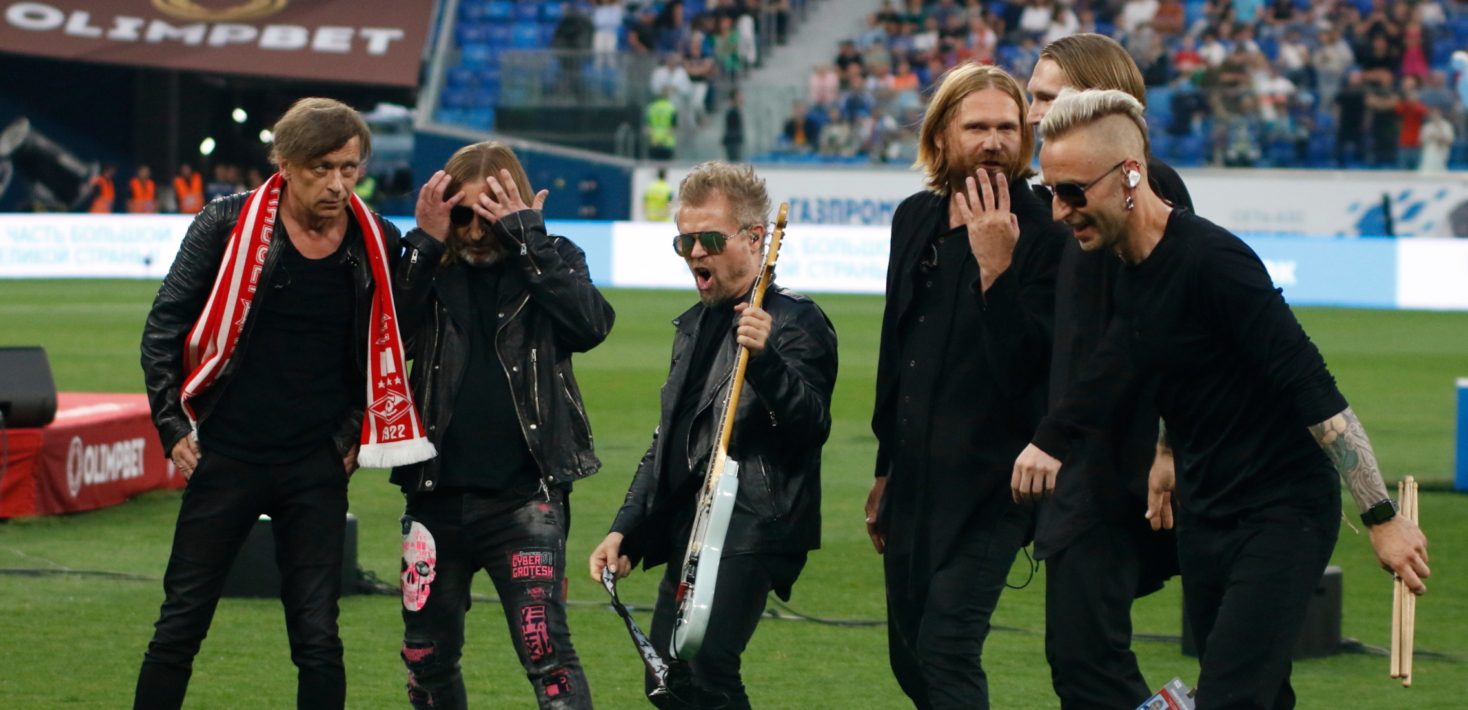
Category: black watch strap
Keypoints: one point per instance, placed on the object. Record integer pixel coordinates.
(1379, 513)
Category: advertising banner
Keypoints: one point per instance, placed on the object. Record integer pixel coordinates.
(358, 41)
(1312, 270)
(1298, 202)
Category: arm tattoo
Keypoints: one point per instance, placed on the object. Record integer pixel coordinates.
(1345, 442)
(1162, 445)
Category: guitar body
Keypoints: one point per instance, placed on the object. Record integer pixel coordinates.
(696, 601)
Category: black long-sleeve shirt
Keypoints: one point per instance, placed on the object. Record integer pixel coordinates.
(1238, 380)
(1106, 476)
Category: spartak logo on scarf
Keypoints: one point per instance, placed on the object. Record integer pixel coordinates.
(392, 433)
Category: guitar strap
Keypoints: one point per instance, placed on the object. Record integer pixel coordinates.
(675, 687)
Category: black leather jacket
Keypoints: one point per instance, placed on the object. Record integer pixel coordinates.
(784, 418)
(548, 309)
(184, 291)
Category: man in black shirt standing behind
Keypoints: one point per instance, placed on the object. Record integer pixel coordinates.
(1098, 550)
(1254, 417)
(961, 376)
(491, 334)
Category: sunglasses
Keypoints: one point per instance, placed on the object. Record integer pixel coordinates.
(1074, 194)
(461, 216)
(713, 242)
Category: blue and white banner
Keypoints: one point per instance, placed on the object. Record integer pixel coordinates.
(1317, 203)
(1314, 271)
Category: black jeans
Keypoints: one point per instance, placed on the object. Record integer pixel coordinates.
(743, 587)
(307, 503)
(1246, 585)
(1089, 588)
(935, 641)
(519, 538)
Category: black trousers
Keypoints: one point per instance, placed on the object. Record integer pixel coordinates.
(1246, 585)
(935, 640)
(307, 503)
(1089, 588)
(744, 585)
(519, 538)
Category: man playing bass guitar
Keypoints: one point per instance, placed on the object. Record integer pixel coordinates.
(783, 419)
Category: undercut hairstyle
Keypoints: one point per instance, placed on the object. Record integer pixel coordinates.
(749, 202)
(1092, 61)
(1078, 109)
(957, 84)
(315, 126)
(477, 161)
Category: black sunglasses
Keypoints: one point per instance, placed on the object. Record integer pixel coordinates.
(1074, 194)
(461, 216)
(713, 242)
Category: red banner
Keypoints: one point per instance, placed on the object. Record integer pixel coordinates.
(101, 450)
(360, 41)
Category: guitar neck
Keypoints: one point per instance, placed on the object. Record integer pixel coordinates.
(736, 386)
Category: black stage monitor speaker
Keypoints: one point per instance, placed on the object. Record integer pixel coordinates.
(1321, 634)
(255, 573)
(27, 392)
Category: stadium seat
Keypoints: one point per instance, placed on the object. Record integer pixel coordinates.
(461, 77)
(457, 97)
(476, 55)
(500, 35)
(479, 118)
(467, 33)
(525, 35)
(526, 12)
(471, 11)
(499, 10)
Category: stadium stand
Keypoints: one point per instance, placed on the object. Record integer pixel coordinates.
(1287, 83)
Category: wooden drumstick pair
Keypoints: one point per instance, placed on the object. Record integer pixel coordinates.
(1404, 602)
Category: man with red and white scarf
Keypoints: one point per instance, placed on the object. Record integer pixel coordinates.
(274, 366)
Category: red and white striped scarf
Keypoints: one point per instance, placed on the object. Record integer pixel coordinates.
(392, 433)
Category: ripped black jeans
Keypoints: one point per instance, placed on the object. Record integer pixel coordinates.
(519, 537)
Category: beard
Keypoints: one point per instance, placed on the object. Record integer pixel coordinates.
(484, 253)
(963, 167)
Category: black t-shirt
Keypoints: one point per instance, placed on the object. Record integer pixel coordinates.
(483, 447)
(296, 380)
(685, 466)
(1238, 380)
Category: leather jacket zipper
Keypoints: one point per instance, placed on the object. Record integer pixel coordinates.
(577, 405)
(535, 384)
(519, 417)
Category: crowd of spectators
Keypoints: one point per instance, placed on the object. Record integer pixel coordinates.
(1322, 83)
(702, 56)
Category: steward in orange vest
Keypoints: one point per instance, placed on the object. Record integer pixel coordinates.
(103, 194)
(144, 199)
(188, 189)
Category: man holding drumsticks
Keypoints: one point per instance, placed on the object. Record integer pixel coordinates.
(1258, 427)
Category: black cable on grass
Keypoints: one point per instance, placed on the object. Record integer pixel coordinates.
(368, 583)
(63, 572)
(1030, 562)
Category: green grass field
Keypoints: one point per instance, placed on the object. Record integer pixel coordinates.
(75, 640)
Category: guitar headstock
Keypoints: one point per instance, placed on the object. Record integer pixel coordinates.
(773, 251)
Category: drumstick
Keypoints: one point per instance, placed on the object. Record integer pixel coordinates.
(1396, 663)
(1409, 617)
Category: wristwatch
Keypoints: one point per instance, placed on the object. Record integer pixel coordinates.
(1379, 513)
